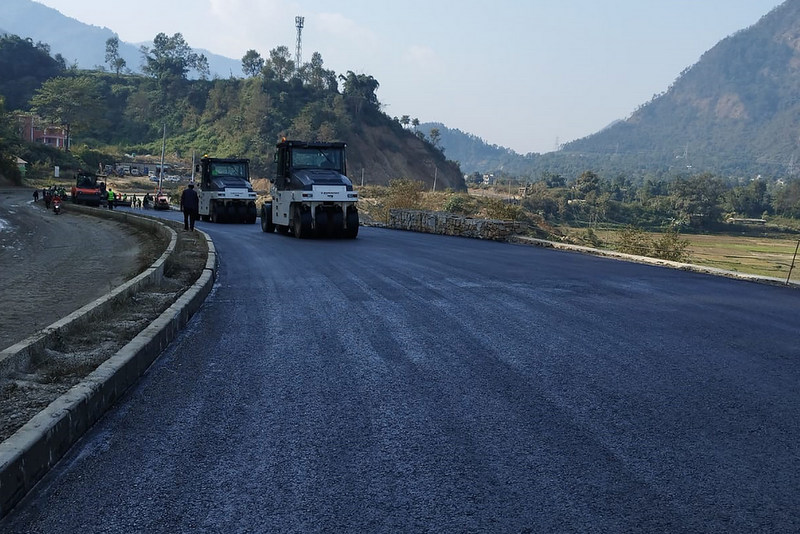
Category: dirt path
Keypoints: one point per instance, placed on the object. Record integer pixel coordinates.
(52, 264)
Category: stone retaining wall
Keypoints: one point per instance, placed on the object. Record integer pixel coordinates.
(437, 222)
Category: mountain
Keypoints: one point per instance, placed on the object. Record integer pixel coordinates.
(81, 43)
(476, 155)
(735, 111)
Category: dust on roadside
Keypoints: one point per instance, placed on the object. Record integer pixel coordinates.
(79, 352)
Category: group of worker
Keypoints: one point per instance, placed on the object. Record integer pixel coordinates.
(50, 193)
(136, 202)
(190, 202)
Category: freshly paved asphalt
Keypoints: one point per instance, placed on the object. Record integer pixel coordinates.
(406, 382)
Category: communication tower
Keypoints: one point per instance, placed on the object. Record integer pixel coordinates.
(298, 52)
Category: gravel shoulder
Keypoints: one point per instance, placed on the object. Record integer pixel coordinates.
(53, 265)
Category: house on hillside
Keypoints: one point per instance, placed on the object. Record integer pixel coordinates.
(31, 128)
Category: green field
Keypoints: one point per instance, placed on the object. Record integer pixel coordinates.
(753, 255)
(765, 256)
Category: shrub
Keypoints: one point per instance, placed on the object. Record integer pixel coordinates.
(497, 209)
(634, 240)
(458, 204)
(668, 246)
(404, 194)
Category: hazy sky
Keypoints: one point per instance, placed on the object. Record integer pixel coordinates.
(520, 74)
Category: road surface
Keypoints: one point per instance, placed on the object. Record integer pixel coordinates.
(52, 264)
(406, 382)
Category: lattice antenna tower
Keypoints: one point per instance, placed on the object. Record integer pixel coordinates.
(298, 52)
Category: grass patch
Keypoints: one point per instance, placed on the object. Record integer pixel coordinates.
(761, 256)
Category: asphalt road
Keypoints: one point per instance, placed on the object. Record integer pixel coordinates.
(405, 382)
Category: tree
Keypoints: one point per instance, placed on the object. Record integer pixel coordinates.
(405, 120)
(23, 67)
(787, 200)
(280, 65)
(115, 62)
(172, 57)
(435, 136)
(699, 197)
(586, 183)
(749, 200)
(73, 103)
(359, 89)
(552, 179)
(9, 144)
(252, 63)
(415, 123)
(317, 76)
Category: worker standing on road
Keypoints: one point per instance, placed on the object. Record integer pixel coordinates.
(110, 198)
(190, 204)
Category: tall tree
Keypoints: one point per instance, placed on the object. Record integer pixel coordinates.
(252, 63)
(586, 183)
(280, 65)
(359, 90)
(73, 103)
(699, 197)
(115, 62)
(435, 136)
(317, 76)
(172, 57)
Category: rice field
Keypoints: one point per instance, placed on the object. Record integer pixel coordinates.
(764, 256)
(752, 255)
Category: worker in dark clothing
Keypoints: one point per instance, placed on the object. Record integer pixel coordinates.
(190, 203)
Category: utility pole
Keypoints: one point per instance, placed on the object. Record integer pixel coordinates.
(791, 268)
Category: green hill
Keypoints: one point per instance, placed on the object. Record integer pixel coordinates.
(734, 112)
(242, 117)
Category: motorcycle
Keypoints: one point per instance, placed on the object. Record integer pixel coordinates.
(57, 205)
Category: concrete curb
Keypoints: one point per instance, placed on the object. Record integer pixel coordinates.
(34, 449)
(520, 240)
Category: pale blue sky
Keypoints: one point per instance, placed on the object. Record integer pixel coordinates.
(519, 74)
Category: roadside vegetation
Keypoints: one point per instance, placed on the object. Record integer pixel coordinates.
(677, 222)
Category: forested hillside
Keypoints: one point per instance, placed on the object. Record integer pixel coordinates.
(734, 112)
(108, 113)
(474, 154)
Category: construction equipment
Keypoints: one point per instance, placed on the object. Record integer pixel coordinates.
(311, 194)
(225, 193)
(86, 189)
(161, 201)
